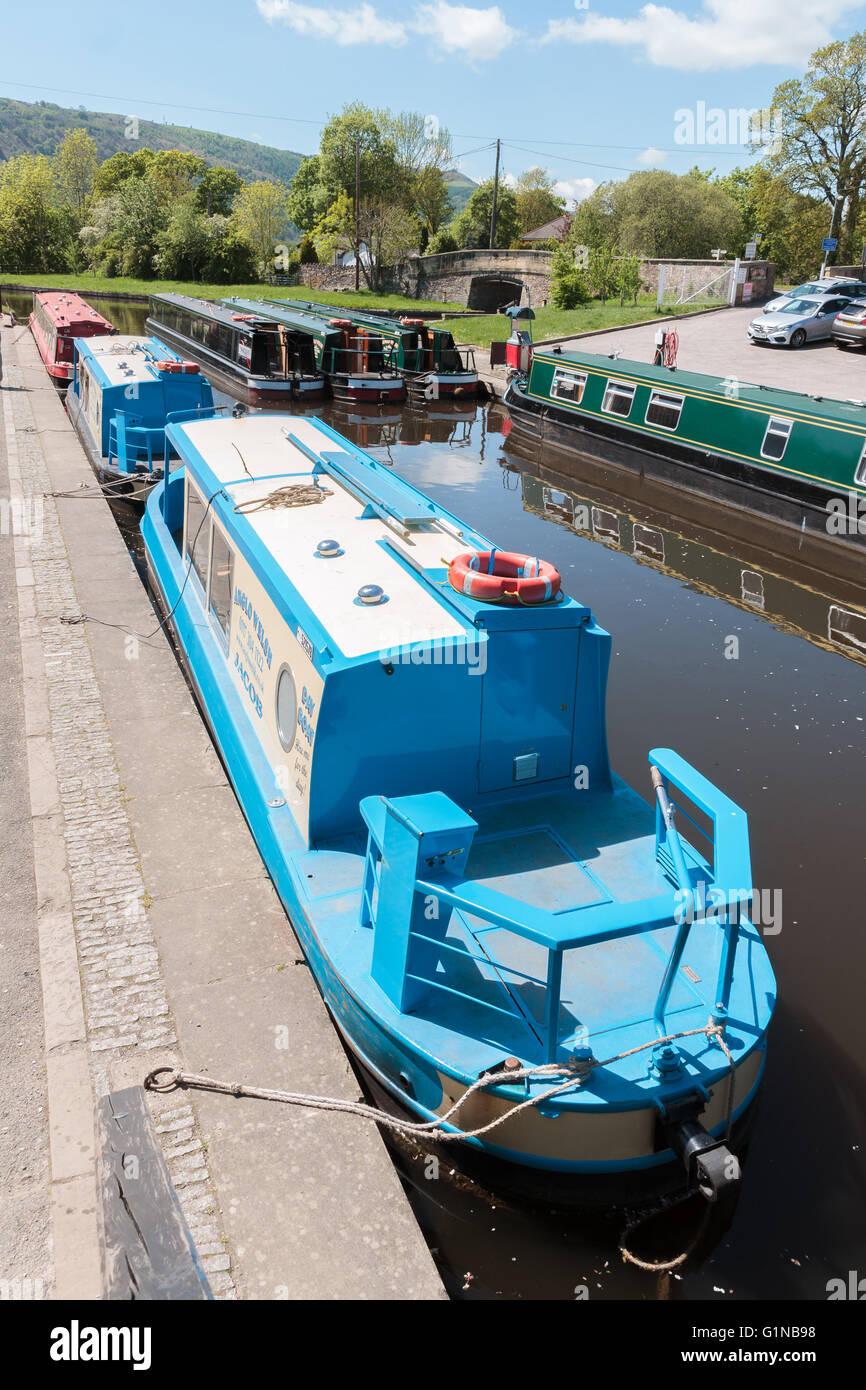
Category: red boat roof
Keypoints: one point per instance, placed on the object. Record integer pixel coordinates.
(71, 314)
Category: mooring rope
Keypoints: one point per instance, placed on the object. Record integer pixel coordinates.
(167, 1078)
(290, 495)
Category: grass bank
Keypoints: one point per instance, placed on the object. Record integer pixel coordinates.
(86, 284)
(560, 323)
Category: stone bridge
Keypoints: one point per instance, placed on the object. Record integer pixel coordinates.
(488, 280)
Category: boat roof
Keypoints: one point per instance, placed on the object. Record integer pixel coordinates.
(316, 324)
(70, 312)
(245, 460)
(225, 311)
(777, 399)
(387, 325)
(124, 358)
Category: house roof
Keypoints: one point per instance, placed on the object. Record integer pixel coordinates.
(557, 228)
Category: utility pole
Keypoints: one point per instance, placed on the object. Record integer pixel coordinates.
(830, 235)
(357, 212)
(495, 198)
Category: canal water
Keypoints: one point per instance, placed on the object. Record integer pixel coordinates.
(757, 678)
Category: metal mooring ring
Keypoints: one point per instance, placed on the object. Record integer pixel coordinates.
(151, 1084)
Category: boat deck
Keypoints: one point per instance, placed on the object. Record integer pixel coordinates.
(560, 854)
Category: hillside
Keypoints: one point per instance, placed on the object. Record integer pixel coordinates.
(460, 189)
(37, 127)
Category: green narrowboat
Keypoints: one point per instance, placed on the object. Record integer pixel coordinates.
(800, 459)
(427, 358)
(357, 362)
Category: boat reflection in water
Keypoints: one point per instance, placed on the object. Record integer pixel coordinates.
(682, 536)
(374, 426)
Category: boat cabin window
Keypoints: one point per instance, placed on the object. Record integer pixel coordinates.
(618, 398)
(776, 438)
(568, 386)
(287, 709)
(860, 475)
(196, 545)
(664, 410)
(220, 597)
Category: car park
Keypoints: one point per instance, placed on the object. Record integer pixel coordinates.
(817, 289)
(797, 321)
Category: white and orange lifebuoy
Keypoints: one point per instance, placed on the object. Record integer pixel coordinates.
(497, 576)
(189, 368)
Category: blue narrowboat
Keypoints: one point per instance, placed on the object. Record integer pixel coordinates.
(124, 389)
(515, 944)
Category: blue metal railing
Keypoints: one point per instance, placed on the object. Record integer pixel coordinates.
(429, 839)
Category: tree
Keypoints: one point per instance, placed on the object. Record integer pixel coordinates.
(568, 283)
(628, 278)
(261, 217)
(308, 199)
(125, 164)
(601, 271)
(75, 165)
(175, 173)
(791, 224)
(335, 229)
(30, 231)
(389, 233)
(820, 147)
(380, 172)
(217, 189)
(536, 201)
(657, 213)
(472, 227)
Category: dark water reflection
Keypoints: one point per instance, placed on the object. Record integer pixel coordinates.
(780, 727)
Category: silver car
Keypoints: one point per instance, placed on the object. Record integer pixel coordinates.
(797, 321)
(817, 289)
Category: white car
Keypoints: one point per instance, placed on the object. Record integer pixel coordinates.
(817, 289)
(797, 321)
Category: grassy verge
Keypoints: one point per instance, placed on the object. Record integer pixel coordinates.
(86, 282)
(559, 323)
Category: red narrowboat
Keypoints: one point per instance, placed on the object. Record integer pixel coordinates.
(59, 316)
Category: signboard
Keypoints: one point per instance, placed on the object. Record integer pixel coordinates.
(829, 243)
(751, 249)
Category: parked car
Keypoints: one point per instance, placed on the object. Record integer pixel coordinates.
(797, 321)
(817, 289)
(849, 327)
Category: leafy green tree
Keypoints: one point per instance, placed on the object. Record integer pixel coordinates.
(308, 198)
(175, 173)
(628, 278)
(472, 227)
(536, 201)
(261, 218)
(657, 213)
(125, 164)
(820, 126)
(75, 165)
(217, 189)
(379, 169)
(601, 272)
(31, 232)
(307, 254)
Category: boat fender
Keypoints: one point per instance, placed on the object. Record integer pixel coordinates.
(412, 323)
(498, 576)
(711, 1166)
(340, 323)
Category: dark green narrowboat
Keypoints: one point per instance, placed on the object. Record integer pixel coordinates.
(356, 362)
(427, 358)
(799, 459)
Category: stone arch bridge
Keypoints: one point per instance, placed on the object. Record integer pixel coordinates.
(485, 280)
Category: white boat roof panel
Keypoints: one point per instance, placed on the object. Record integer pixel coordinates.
(255, 445)
(124, 358)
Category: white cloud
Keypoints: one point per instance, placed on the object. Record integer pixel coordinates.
(344, 27)
(474, 34)
(721, 34)
(574, 190)
(651, 158)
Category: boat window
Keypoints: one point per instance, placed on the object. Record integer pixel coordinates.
(776, 438)
(287, 708)
(568, 386)
(220, 602)
(664, 410)
(196, 546)
(618, 398)
(860, 475)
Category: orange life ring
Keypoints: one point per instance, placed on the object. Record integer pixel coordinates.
(497, 576)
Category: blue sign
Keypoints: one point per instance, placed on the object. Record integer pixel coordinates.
(829, 243)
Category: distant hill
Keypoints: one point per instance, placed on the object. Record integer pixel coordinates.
(460, 189)
(37, 127)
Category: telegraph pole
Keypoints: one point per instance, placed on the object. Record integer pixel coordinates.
(495, 199)
(357, 212)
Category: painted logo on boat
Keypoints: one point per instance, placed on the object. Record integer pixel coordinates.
(246, 607)
(249, 687)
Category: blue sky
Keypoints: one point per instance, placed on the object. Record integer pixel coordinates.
(589, 90)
